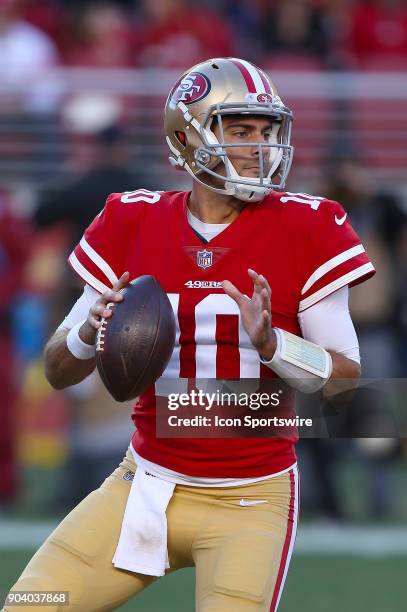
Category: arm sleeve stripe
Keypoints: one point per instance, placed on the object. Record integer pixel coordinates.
(87, 276)
(99, 261)
(336, 284)
(330, 264)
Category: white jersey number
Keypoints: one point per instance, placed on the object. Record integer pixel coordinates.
(206, 312)
(140, 195)
(302, 198)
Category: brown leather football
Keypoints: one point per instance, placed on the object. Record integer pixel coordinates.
(135, 344)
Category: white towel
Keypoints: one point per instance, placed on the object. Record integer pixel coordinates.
(142, 545)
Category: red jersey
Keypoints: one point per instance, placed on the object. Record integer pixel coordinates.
(304, 246)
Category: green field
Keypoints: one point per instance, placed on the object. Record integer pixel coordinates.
(314, 584)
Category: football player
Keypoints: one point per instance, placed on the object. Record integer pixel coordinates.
(258, 279)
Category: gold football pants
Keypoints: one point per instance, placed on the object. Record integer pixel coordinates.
(241, 552)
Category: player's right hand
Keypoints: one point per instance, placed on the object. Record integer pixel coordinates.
(100, 309)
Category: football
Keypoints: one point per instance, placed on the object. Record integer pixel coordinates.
(134, 345)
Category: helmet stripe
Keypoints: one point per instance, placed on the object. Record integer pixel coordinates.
(246, 75)
(255, 74)
(255, 80)
(266, 84)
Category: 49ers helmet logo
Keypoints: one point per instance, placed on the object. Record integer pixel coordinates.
(192, 88)
(265, 97)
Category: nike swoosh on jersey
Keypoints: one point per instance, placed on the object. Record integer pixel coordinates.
(342, 220)
(252, 502)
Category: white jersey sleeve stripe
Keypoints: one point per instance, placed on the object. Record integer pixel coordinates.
(336, 284)
(99, 261)
(87, 276)
(331, 264)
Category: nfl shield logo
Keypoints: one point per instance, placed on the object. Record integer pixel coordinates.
(204, 259)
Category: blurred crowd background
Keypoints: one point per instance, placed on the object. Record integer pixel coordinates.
(82, 88)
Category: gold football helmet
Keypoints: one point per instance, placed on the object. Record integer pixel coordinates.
(196, 104)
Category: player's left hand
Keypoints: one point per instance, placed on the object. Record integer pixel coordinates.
(256, 313)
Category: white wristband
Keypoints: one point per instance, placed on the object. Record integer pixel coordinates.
(77, 346)
(304, 365)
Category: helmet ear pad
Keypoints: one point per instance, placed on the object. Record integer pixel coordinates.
(181, 137)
